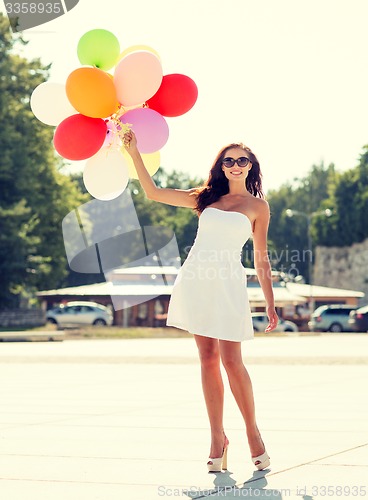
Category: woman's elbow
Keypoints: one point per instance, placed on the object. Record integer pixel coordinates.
(152, 194)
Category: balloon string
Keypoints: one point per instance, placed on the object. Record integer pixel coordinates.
(120, 128)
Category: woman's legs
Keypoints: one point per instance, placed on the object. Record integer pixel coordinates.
(241, 387)
(213, 390)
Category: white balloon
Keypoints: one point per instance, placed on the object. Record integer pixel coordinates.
(106, 174)
(49, 103)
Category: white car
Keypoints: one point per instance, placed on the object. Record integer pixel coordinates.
(260, 322)
(80, 314)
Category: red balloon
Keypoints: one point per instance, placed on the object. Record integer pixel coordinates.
(79, 137)
(176, 95)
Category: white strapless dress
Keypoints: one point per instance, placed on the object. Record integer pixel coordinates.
(209, 295)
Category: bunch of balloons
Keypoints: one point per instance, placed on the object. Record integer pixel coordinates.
(94, 109)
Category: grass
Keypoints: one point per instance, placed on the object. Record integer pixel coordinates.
(23, 329)
(118, 332)
(106, 332)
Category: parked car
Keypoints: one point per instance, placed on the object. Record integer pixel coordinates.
(80, 314)
(331, 318)
(260, 321)
(358, 319)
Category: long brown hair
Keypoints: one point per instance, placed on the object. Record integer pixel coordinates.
(217, 184)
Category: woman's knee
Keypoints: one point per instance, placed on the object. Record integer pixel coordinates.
(209, 353)
(231, 358)
(232, 363)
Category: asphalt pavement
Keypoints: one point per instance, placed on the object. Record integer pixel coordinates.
(119, 419)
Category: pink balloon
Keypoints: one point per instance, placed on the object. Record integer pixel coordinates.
(150, 128)
(111, 134)
(137, 77)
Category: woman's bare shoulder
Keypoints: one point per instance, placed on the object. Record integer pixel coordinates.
(259, 208)
(262, 203)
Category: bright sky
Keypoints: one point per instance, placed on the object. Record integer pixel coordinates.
(286, 77)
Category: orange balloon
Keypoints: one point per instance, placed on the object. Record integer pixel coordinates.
(92, 92)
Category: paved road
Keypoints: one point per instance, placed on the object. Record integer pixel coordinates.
(114, 419)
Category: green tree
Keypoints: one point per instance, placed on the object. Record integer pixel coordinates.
(349, 197)
(289, 236)
(35, 196)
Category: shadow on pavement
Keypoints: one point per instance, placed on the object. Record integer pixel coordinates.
(226, 487)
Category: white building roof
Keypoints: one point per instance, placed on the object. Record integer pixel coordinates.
(281, 295)
(145, 270)
(167, 270)
(292, 293)
(119, 289)
(322, 291)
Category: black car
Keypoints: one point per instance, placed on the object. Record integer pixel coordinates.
(358, 319)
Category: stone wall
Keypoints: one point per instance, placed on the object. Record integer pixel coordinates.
(22, 318)
(343, 267)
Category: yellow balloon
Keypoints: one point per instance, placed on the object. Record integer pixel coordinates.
(136, 48)
(151, 162)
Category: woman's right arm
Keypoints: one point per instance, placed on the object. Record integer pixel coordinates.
(176, 197)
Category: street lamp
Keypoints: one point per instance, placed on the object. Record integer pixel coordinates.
(290, 213)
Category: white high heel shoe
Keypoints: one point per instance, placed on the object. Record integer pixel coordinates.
(262, 461)
(220, 463)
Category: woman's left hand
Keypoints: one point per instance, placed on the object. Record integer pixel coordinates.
(130, 142)
(273, 319)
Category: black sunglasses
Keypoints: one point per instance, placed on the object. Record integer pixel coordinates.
(230, 162)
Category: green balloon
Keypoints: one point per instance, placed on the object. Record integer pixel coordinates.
(99, 48)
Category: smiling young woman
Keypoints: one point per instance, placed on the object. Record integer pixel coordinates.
(209, 297)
